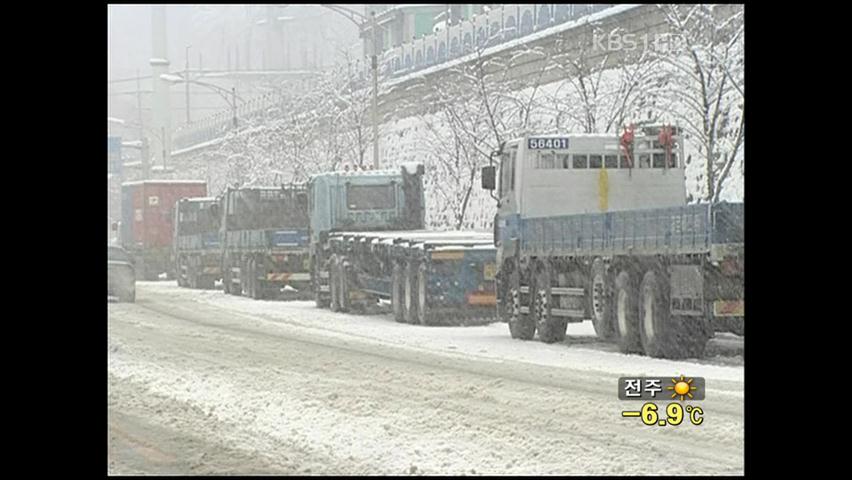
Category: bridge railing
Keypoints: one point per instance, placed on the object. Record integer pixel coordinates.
(497, 26)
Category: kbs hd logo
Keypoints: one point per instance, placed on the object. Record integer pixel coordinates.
(681, 389)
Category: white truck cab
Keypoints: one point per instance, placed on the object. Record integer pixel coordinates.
(547, 175)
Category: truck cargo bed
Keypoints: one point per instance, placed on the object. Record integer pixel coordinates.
(691, 229)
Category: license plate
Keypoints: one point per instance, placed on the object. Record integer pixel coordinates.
(489, 271)
(729, 308)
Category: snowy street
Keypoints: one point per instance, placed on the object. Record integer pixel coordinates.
(200, 382)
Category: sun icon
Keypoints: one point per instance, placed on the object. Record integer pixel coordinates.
(682, 387)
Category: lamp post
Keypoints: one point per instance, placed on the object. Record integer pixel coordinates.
(186, 74)
(224, 93)
(374, 63)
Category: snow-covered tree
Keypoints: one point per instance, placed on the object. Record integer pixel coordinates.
(705, 86)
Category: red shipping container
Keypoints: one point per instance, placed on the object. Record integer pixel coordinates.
(147, 210)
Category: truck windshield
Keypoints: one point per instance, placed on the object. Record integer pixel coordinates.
(196, 219)
(266, 209)
(370, 197)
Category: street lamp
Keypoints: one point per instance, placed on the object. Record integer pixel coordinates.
(187, 84)
(374, 63)
(232, 102)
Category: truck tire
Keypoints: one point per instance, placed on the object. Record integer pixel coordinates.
(398, 292)
(257, 287)
(238, 286)
(664, 335)
(321, 299)
(147, 272)
(128, 296)
(332, 284)
(626, 313)
(345, 304)
(550, 329)
(206, 282)
(601, 300)
(192, 275)
(179, 269)
(521, 326)
(251, 279)
(226, 276)
(410, 297)
(424, 314)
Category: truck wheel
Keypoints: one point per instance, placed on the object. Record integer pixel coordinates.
(179, 270)
(249, 284)
(423, 310)
(600, 301)
(521, 326)
(626, 313)
(319, 297)
(664, 335)
(332, 284)
(192, 275)
(254, 285)
(147, 272)
(128, 296)
(226, 276)
(410, 293)
(398, 293)
(206, 282)
(345, 304)
(550, 329)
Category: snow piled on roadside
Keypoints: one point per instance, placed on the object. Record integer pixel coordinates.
(489, 342)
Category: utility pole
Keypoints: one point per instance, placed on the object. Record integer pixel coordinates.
(375, 65)
(163, 133)
(146, 156)
(146, 159)
(186, 76)
(234, 104)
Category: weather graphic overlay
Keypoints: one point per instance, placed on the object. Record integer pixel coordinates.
(677, 389)
(682, 387)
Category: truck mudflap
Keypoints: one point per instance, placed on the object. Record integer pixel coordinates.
(729, 308)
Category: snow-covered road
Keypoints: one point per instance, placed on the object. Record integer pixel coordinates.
(202, 382)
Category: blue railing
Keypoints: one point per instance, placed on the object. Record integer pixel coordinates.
(500, 25)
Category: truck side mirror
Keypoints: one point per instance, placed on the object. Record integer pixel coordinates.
(114, 226)
(489, 175)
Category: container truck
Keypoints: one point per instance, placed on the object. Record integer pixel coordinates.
(197, 253)
(147, 228)
(597, 226)
(264, 241)
(368, 243)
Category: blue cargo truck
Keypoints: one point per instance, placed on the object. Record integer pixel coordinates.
(264, 241)
(597, 226)
(368, 243)
(196, 242)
